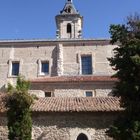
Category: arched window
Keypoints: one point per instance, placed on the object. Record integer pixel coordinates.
(68, 28)
(69, 10)
(82, 137)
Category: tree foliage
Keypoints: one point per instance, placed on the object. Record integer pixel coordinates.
(19, 113)
(126, 62)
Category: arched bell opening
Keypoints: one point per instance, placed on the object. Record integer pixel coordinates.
(69, 28)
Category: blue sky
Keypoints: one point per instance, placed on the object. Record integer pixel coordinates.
(28, 19)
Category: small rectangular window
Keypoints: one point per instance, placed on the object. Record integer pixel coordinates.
(15, 68)
(89, 94)
(48, 94)
(45, 67)
(86, 62)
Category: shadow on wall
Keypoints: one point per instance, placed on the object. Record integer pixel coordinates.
(62, 126)
(42, 136)
(72, 120)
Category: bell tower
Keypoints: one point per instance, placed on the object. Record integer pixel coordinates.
(69, 22)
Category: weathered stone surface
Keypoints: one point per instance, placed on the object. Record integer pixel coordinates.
(63, 58)
(74, 90)
(66, 126)
(3, 128)
(60, 59)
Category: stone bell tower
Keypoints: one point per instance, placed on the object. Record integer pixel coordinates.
(69, 22)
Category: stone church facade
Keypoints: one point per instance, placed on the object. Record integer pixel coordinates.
(70, 75)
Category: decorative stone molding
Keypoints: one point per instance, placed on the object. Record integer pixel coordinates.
(10, 67)
(39, 73)
(92, 54)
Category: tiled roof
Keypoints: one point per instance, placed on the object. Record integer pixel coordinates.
(79, 104)
(72, 104)
(74, 79)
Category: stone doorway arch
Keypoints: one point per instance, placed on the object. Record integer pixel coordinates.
(82, 136)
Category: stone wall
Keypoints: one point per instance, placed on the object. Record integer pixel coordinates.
(28, 55)
(74, 89)
(66, 126)
(76, 26)
(60, 59)
(3, 128)
(64, 59)
(99, 54)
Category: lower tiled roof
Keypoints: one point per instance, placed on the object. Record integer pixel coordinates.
(77, 104)
(74, 79)
(72, 104)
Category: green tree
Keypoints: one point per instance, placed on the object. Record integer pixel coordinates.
(126, 62)
(19, 113)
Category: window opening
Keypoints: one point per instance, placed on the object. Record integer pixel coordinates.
(69, 10)
(68, 28)
(86, 64)
(47, 94)
(45, 67)
(89, 94)
(15, 68)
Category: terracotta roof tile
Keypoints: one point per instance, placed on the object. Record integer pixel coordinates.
(77, 104)
(72, 104)
(74, 79)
